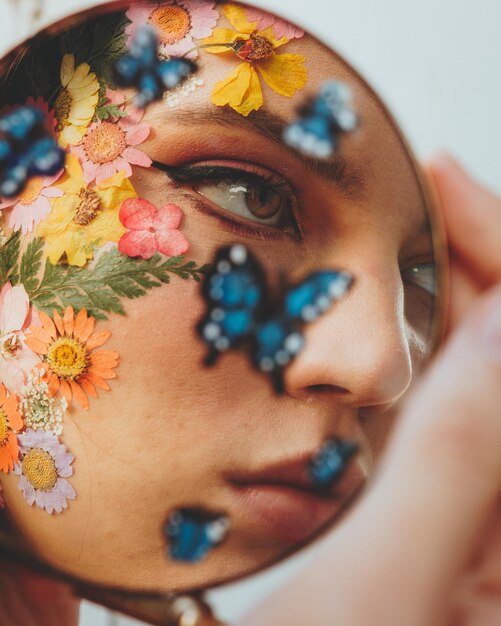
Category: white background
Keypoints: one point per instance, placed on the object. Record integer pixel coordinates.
(437, 65)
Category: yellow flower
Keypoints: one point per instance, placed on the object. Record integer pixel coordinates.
(241, 90)
(76, 103)
(85, 217)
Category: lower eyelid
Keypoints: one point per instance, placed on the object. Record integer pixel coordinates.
(235, 226)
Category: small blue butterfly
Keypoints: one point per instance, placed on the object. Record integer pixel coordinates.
(192, 533)
(241, 313)
(26, 150)
(142, 69)
(328, 464)
(322, 119)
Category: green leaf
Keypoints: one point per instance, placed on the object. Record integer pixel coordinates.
(109, 110)
(100, 287)
(9, 258)
(30, 264)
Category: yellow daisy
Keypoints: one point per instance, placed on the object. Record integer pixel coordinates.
(76, 103)
(85, 217)
(241, 90)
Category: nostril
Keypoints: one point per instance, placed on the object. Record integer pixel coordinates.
(328, 389)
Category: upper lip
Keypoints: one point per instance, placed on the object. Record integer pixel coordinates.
(293, 473)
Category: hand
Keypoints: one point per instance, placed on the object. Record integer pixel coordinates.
(423, 547)
(27, 599)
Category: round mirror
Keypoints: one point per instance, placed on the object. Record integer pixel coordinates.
(220, 272)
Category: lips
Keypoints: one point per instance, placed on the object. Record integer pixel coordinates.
(282, 502)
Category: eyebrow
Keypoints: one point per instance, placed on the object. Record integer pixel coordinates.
(337, 169)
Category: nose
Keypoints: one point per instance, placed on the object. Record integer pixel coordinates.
(359, 349)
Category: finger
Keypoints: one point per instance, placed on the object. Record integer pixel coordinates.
(395, 557)
(472, 217)
(464, 292)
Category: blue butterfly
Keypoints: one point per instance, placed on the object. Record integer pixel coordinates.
(321, 120)
(241, 313)
(328, 464)
(26, 150)
(192, 533)
(142, 69)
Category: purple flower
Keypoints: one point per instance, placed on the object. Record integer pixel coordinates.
(45, 464)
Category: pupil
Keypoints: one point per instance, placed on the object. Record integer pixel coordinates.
(263, 202)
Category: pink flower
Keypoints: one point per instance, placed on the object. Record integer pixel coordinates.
(151, 230)
(177, 23)
(44, 467)
(16, 359)
(33, 204)
(108, 146)
(280, 27)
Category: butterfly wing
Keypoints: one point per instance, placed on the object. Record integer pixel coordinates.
(278, 340)
(172, 73)
(235, 293)
(321, 121)
(329, 463)
(137, 68)
(25, 150)
(192, 533)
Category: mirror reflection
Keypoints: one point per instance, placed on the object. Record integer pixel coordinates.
(210, 307)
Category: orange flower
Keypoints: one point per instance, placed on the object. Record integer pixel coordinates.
(66, 346)
(10, 422)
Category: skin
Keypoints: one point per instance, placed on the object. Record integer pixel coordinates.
(171, 431)
(459, 581)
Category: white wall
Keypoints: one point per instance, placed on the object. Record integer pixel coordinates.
(435, 62)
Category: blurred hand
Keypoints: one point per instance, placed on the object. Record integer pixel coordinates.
(27, 599)
(423, 547)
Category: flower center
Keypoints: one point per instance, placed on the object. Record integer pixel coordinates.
(90, 203)
(62, 108)
(9, 344)
(4, 428)
(40, 469)
(32, 190)
(256, 48)
(173, 23)
(105, 143)
(67, 358)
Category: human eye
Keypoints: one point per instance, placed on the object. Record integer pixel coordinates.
(255, 199)
(421, 275)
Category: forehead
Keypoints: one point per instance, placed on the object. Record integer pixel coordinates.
(378, 169)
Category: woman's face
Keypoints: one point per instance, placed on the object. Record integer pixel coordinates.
(173, 433)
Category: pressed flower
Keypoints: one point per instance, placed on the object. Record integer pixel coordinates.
(241, 90)
(38, 408)
(10, 423)
(76, 103)
(49, 114)
(177, 23)
(151, 230)
(263, 20)
(44, 467)
(16, 358)
(33, 203)
(85, 217)
(69, 360)
(109, 146)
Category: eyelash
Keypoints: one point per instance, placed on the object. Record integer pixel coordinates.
(196, 175)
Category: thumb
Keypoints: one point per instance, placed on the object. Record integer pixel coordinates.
(394, 559)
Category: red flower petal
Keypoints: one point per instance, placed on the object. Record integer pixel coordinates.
(138, 243)
(168, 216)
(172, 242)
(137, 214)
